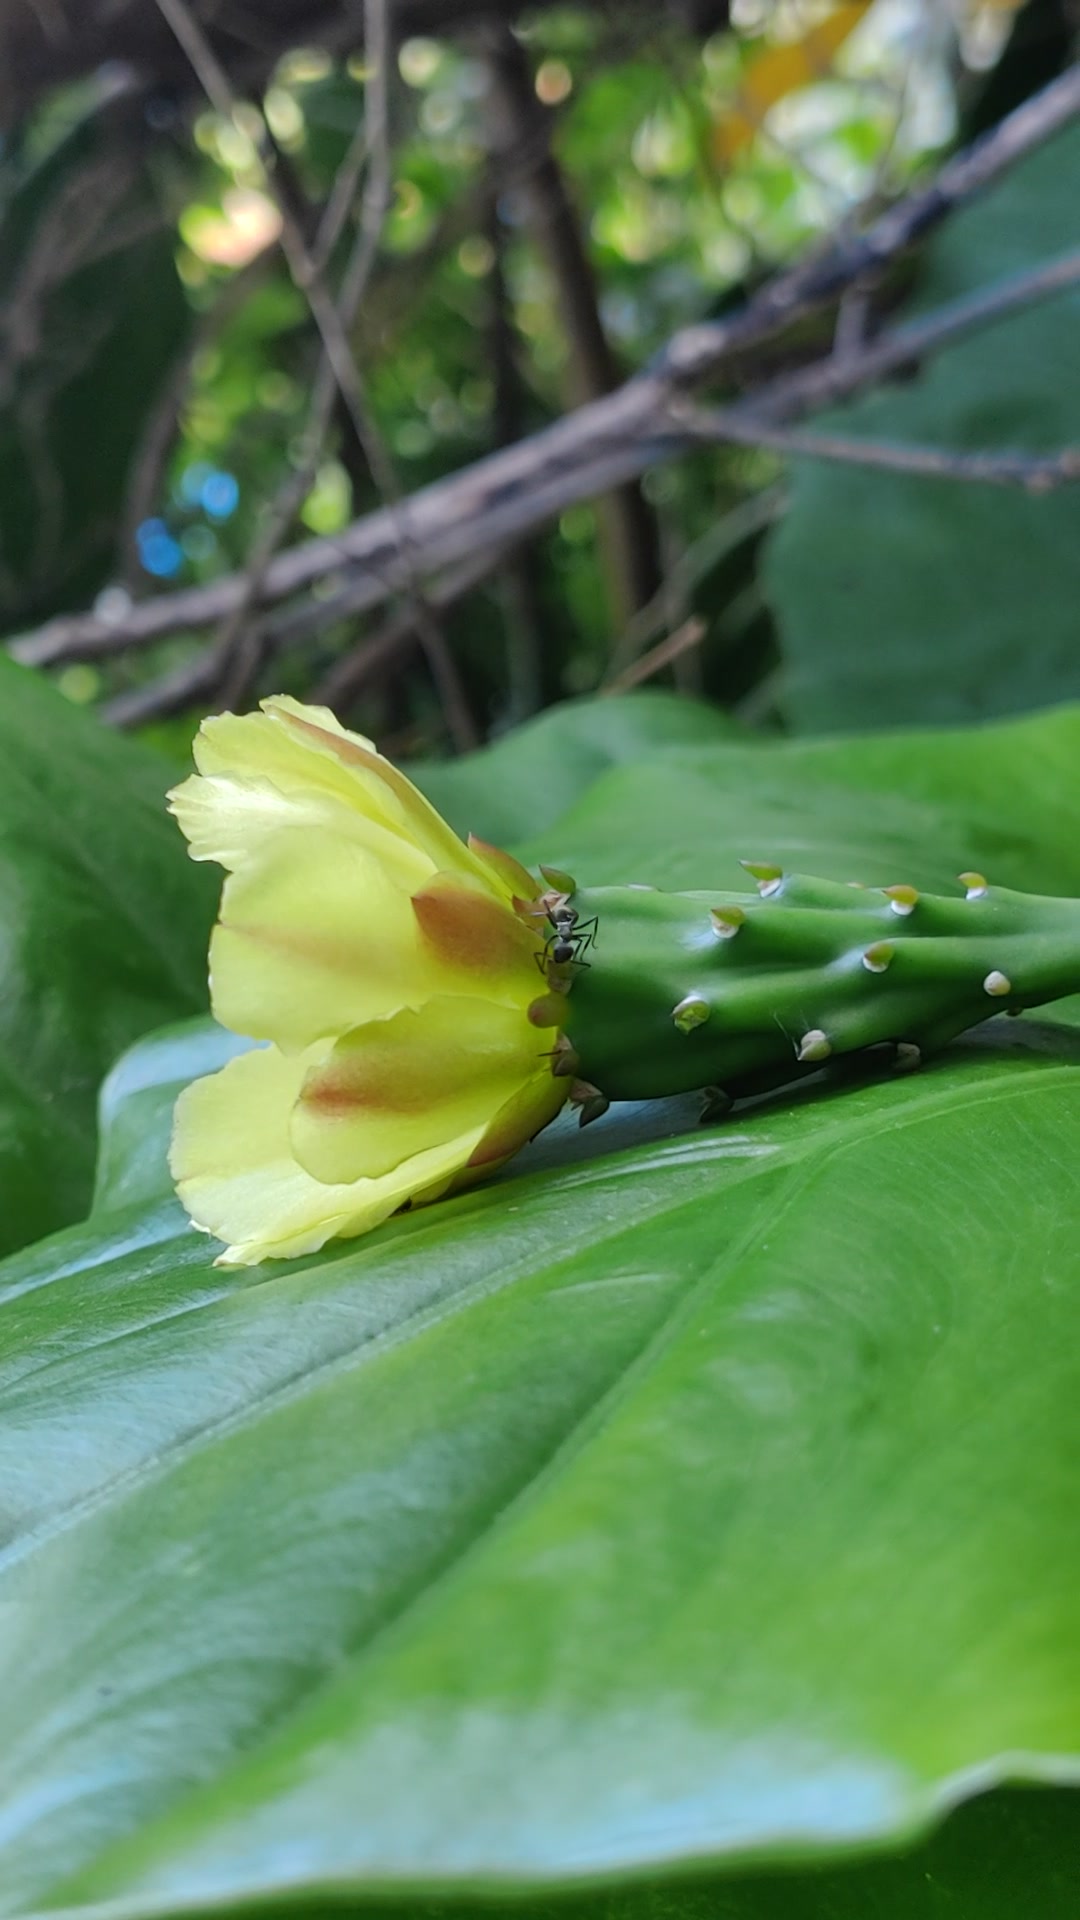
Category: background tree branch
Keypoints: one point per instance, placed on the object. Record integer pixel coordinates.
(604, 444)
(45, 47)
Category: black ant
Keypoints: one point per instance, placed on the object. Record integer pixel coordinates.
(569, 939)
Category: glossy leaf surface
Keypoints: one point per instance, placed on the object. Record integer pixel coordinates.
(528, 779)
(906, 806)
(1004, 1856)
(102, 936)
(684, 1496)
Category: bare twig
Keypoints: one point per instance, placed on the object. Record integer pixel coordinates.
(332, 322)
(349, 675)
(339, 206)
(695, 353)
(510, 492)
(1033, 473)
(904, 348)
(521, 141)
(505, 495)
(239, 651)
(200, 678)
(749, 517)
(690, 634)
(235, 658)
(128, 33)
(519, 576)
(162, 425)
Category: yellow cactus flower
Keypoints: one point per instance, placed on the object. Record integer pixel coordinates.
(385, 964)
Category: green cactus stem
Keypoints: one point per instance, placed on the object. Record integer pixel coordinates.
(729, 991)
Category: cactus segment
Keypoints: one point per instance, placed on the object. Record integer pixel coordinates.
(671, 1000)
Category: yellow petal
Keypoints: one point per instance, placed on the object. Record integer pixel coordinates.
(466, 931)
(514, 880)
(283, 703)
(398, 1088)
(314, 939)
(304, 752)
(530, 1107)
(261, 745)
(231, 818)
(377, 783)
(237, 1177)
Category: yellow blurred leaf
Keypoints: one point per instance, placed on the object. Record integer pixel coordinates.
(780, 70)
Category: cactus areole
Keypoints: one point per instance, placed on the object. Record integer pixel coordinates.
(677, 991)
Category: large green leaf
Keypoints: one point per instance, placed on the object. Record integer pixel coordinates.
(530, 777)
(914, 806)
(683, 1496)
(906, 599)
(1005, 1856)
(709, 1497)
(103, 929)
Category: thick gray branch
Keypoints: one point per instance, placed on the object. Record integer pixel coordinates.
(45, 46)
(602, 445)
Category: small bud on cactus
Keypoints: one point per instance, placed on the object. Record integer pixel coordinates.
(814, 1045)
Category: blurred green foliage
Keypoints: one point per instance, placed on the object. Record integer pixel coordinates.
(693, 165)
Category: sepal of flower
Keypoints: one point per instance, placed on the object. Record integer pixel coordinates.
(389, 970)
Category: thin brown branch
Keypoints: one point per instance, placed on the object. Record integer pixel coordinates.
(903, 349)
(129, 34)
(510, 492)
(339, 205)
(238, 652)
(341, 684)
(200, 679)
(1032, 473)
(240, 647)
(522, 146)
(145, 477)
(695, 353)
(520, 587)
(520, 487)
(742, 522)
(672, 648)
